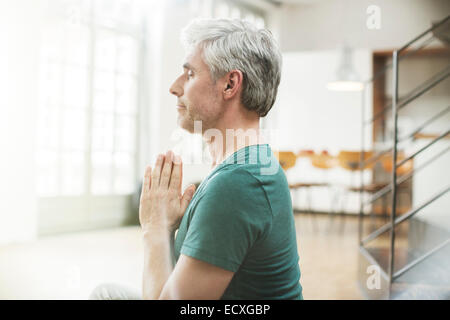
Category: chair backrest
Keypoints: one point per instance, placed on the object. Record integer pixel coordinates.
(306, 153)
(324, 161)
(350, 160)
(287, 159)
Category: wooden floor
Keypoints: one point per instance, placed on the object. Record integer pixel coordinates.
(69, 266)
(328, 250)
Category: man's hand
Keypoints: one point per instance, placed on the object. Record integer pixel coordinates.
(161, 204)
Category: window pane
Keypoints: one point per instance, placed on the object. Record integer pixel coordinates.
(73, 169)
(103, 101)
(50, 84)
(74, 129)
(47, 128)
(127, 57)
(126, 95)
(101, 173)
(102, 132)
(125, 133)
(47, 173)
(52, 43)
(103, 91)
(105, 50)
(77, 39)
(75, 87)
(124, 180)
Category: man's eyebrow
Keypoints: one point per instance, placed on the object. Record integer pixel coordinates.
(188, 66)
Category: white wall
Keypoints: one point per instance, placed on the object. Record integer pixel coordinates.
(19, 40)
(327, 24)
(308, 115)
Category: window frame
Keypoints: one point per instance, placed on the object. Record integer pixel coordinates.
(62, 212)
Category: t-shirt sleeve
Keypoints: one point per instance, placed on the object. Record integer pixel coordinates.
(232, 215)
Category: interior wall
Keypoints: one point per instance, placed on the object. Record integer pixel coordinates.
(325, 25)
(19, 42)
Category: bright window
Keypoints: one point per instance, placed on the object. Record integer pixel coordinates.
(88, 104)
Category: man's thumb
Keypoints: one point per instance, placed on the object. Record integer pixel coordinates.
(187, 196)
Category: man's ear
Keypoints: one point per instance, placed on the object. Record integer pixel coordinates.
(233, 82)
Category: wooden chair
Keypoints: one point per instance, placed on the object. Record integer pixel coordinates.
(350, 160)
(325, 162)
(287, 159)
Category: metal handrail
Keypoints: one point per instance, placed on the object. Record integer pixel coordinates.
(401, 57)
(412, 95)
(396, 105)
(394, 162)
(378, 155)
(375, 157)
(405, 177)
(422, 149)
(437, 25)
(432, 119)
(406, 216)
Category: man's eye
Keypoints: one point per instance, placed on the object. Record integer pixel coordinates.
(190, 74)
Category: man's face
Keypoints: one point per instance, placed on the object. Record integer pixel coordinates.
(198, 98)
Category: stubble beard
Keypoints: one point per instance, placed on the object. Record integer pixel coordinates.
(188, 117)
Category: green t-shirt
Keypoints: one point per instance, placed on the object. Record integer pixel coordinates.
(241, 219)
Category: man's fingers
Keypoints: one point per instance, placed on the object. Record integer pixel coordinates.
(187, 197)
(156, 173)
(175, 179)
(146, 183)
(166, 171)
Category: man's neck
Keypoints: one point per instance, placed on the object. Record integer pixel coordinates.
(233, 139)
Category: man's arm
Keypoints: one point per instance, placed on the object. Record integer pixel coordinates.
(160, 212)
(193, 279)
(158, 264)
(190, 279)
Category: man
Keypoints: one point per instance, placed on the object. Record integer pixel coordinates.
(236, 236)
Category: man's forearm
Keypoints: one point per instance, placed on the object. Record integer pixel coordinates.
(158, 261)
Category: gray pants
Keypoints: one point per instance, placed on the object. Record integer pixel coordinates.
(113, 291)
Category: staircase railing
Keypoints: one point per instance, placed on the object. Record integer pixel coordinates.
(396, 105)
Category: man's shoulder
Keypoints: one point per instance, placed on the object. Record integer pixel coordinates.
(233, 177)
(238, 183)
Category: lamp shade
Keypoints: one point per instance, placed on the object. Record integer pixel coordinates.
(347, 78)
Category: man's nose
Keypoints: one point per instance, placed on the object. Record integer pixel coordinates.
(176, 89)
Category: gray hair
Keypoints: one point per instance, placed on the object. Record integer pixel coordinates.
(230, 44)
